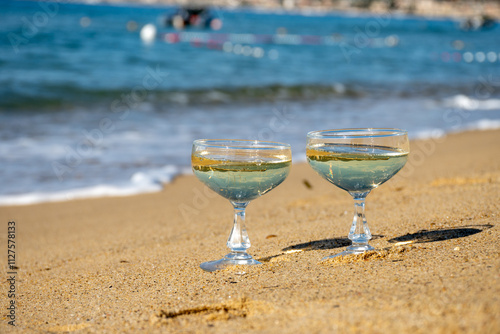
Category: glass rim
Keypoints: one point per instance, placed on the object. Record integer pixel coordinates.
(242, 144)
(350, 133)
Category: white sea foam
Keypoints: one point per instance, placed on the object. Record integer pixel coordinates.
(88, 192)
(483, 124)
(469, 103)
(140, 183)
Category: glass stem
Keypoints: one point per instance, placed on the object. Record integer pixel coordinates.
(238, 240)
(359, 233)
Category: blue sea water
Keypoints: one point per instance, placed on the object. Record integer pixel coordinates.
(88, 108)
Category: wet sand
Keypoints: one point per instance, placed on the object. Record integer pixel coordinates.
(131, 264)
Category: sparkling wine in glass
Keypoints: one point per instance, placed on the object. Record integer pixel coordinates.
(357, 160)
(239, 170)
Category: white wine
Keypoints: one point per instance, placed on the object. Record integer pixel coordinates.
(240, 171)
(356, 168)
(240, 181)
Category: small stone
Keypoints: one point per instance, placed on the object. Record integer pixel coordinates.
(456, 248)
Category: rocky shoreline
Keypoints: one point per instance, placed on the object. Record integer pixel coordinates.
(429, 8)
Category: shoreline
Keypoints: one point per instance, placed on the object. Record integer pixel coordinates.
(132, 263)
(428, 8)
(112, 190)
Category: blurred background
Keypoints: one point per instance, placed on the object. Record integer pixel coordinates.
(106, 98)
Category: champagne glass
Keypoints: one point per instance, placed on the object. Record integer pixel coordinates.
(239, 170)
(357, 160)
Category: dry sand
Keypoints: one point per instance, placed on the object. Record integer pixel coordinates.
(131, 264)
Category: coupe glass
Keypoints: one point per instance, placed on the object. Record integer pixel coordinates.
(357, 160)
(239, 170)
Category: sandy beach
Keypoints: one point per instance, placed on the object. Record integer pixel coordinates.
(131, 264)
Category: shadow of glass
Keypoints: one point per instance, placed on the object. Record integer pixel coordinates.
(324, 244)
(441, 234)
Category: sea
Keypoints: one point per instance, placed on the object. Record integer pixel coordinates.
(105, 100)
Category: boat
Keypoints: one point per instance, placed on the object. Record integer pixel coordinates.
(197, 17)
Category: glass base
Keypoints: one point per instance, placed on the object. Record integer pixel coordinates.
(353, 249)
(231, 259)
